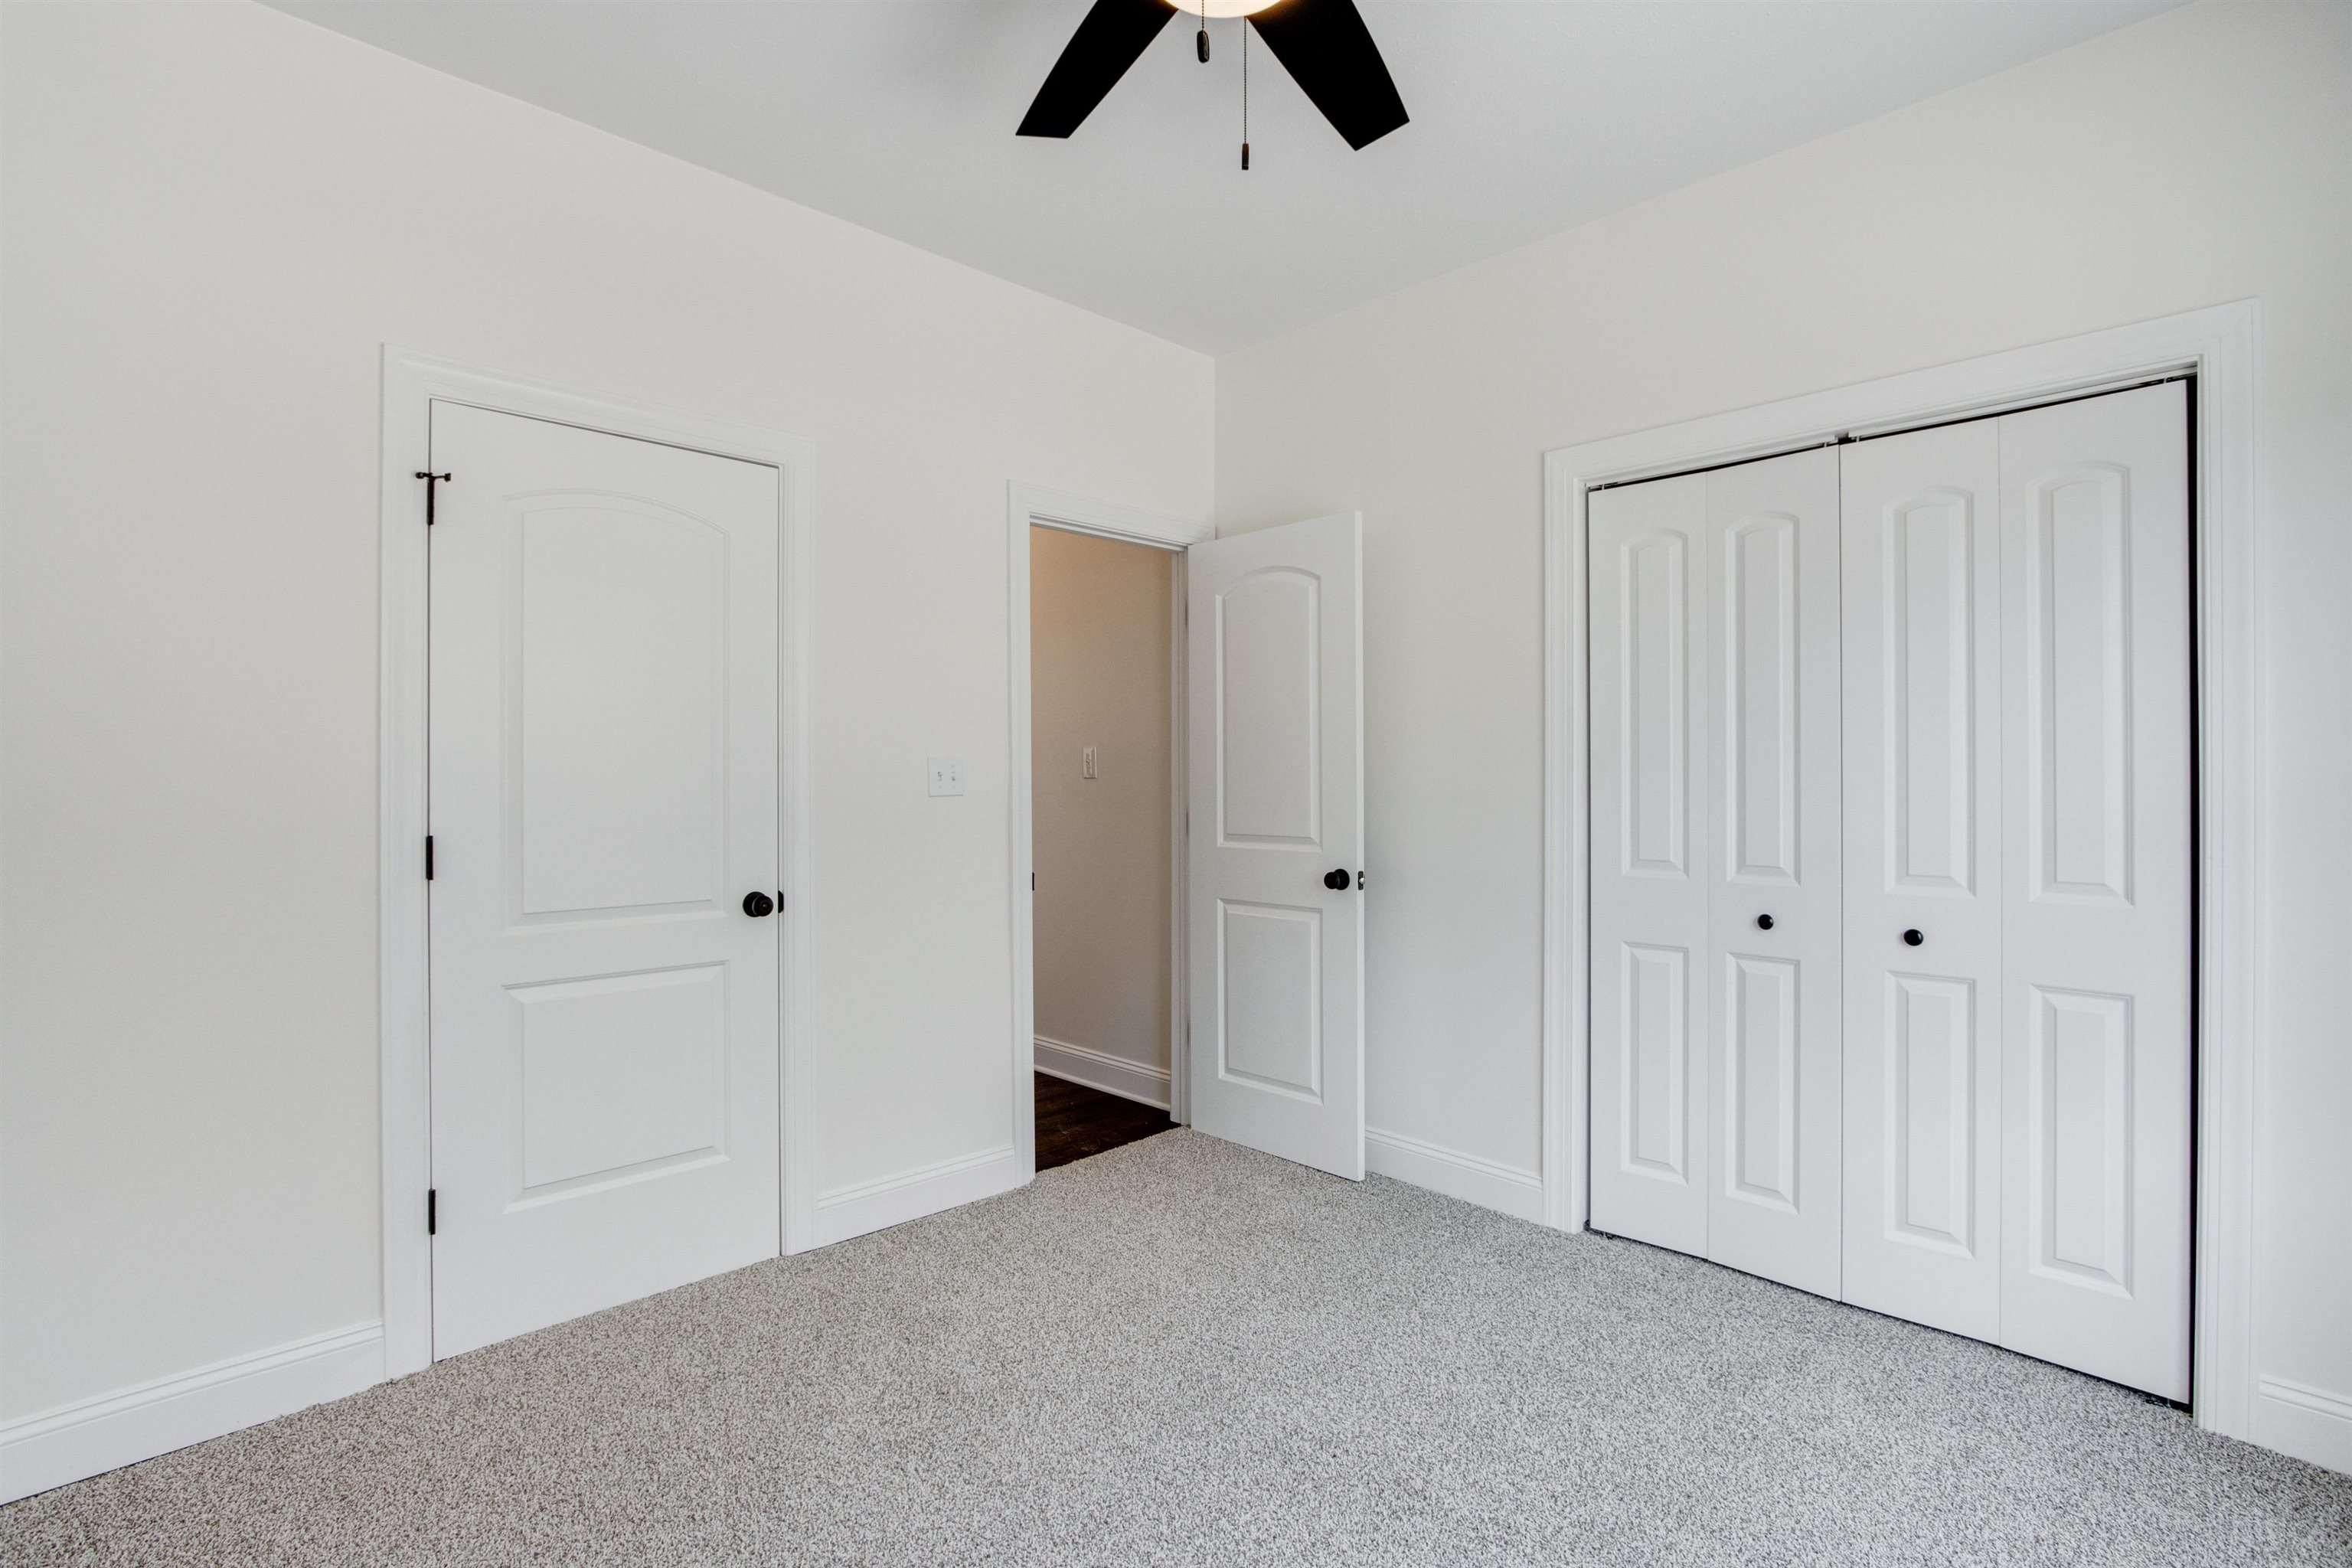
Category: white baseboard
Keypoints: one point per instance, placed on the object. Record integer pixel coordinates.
(2309, 1422)
(1100, 1069)
(911, 1194)
(1458, 1176)
(95, 1435)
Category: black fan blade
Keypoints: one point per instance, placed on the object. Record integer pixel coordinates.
(1113, 34)
(1325, 45)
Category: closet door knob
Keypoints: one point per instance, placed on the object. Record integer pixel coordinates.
(1912, 937)
(1337, 880)
(757, 905)
(1763, 922)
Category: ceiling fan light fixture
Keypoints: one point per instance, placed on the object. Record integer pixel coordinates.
(1323, 44)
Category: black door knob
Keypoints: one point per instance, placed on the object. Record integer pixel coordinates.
(1336, 881)
(1912, 937)
(758, 904)
(1763, 922)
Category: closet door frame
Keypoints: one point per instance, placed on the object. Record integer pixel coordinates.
(2216, 346)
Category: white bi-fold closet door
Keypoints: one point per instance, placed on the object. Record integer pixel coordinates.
(1716, 865)
(1922, 703)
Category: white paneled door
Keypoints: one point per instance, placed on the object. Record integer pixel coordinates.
(1276, 814)
(1920, 702)
(1923, 774)
(1774, 875)
(2097, 935)
(1652, 838)
(1714, 644)
(604, 794)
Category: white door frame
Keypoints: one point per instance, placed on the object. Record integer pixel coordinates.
(1027, 507)
(411, 384)
(2218, 345)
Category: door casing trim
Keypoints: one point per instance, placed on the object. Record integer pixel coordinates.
(1032, 506)
(2219, 345)
(411, 381)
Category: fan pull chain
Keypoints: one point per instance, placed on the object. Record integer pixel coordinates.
(1245, 28)
(1204, 32)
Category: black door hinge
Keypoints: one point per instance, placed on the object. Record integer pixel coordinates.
(432, 483)
(432, 1211)
(428, 856)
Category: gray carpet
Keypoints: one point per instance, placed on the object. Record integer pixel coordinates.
(1184, 1353)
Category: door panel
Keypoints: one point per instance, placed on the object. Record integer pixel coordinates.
(1771, 698)
(617, 662)
(1763, 772)
(2078, 1121)
(1922, 758)
(618, 1072)
(2098, 947)
(1650, 831)
(1761, 1050)
(1271, 960)
(1926, 595)
(1655, 1049)
(1275, 805)
(1658, 639)
(604, 790)
(1930, 1112)
(1270, 728)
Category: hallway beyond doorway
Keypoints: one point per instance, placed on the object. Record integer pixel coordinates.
(1074, 1121)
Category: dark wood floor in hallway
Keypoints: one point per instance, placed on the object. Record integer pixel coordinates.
(1074, 1121)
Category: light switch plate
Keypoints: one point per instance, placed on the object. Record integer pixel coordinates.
(946, 775)
(1087, 764)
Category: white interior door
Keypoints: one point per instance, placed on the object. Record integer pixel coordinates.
(604, 792)
(1653, 835)
(2096, 940)
(1922, 605)
(1276, 815)
(1775, 891)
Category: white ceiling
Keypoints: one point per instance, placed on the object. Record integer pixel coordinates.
(1528, 118)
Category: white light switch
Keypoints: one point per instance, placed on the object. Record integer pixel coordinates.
(1087, 764)
(946, 775)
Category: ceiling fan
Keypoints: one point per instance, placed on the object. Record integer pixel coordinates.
(1323, 44)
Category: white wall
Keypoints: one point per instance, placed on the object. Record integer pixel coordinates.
(1101, 638)
(2202, 156)
(216, 215)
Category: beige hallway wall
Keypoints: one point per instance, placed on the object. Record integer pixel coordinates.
(1100, 650)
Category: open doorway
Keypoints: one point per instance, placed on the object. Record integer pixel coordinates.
(1262, 877)
(1103, 796)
